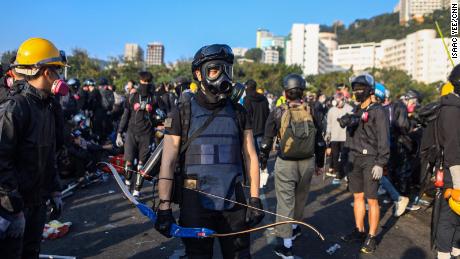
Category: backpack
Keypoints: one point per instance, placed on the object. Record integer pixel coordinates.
(297, 133)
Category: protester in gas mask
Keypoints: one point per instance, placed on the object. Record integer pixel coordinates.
(28, 123)
(138, 121)
(219, 137)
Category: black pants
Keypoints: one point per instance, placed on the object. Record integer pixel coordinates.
(192, 214)
(27, 247)
(339, 158)
(448, 232)
(137, 146)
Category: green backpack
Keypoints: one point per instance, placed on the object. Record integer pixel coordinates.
(297, 133)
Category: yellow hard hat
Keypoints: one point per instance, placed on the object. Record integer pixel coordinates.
(260, 90)
(454, 205)
(36, 52)
(447, 88)
(193, 87)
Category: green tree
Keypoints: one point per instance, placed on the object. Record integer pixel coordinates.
(82, 66)
(254, 54)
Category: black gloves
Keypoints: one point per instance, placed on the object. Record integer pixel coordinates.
(349, 120)
(164, 221)
(263, 160)
(254, 217)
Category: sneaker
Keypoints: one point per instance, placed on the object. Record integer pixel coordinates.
(136, 194)
(296, 232)
(128, 183)
(354, 236)
(335, 181)
(369, 245)
(284, 252)
(400, 206)
(413, 207)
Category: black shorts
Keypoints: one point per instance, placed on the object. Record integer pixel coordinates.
(137, 147)
(448, 232)
(360, 177)
(192, 214)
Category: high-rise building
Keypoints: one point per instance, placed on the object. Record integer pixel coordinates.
(358, 56)
(270, 56)
(305, 48)
(155, 54)
(420, 54)
(239, 52)
(416, 9)
(133, 52)
(329, 39)
(261, 35)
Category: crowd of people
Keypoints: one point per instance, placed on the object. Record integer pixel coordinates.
(217, 138)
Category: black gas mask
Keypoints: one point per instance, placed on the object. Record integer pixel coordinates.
(216, 81)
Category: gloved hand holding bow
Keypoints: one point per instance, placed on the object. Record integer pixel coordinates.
(254, 217)
(164, 221)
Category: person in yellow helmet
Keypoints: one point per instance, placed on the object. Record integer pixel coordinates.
(193, 87)
(28, 139)
(446, 89)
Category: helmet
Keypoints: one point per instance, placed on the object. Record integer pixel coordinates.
(217, 57)
(181, 80)
(103, 81)
(292, 81)
(35, 53)
(89, 82)
(193, 87)
(413, 94)
(365, 79)
(447, 88)
(212, 52)
(380, 91)
(73, 83)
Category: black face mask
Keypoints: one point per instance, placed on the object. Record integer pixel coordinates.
(362, 94)
(144, 89)
(218, 86)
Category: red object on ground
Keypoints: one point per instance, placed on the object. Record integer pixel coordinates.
(116, 161)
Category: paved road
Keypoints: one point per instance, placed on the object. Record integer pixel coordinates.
(105, 225)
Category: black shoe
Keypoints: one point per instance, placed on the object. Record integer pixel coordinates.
(296, 232)
(284, 252)
(369, 245)
(354, 236)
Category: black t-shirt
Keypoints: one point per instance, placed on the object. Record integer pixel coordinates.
(173, 122)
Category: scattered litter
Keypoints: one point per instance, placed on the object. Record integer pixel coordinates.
(331, 250)
(110, 226)
(55, 229)
(106, 232)
(111, 191)
(162, 248)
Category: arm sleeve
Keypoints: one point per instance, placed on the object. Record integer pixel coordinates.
(329, 122)
(383, 137)
(402, 119)
(173, 123)
(10, 199)
(450, 136)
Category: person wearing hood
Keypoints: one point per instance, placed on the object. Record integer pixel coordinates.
(447, 237)
(138, 121)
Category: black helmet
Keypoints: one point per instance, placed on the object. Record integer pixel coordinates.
(365, 79)
(292, 81)
(454, 78)
(181, 80)
(103, 81)
(73, 83)
(214, 57)
(413, 94)
(89, 82)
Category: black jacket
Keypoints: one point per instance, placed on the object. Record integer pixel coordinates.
(371, 138)
(138, 122)
(258, 109)
(28, 171)
(449, 129)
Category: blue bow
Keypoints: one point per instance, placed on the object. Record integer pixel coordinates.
(176, 230)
